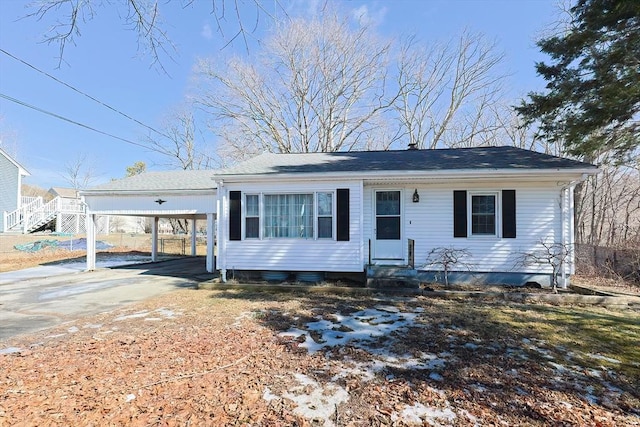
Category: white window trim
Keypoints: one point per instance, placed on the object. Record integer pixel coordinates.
(317, 215)
(498, 214)
(244, 217)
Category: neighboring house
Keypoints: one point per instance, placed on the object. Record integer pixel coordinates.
(70, 194)
(364, 211)
(67, 212)
(11, 174)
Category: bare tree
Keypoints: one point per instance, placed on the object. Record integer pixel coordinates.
(181, 142)
(608, 207)
(146, 19)
(447, 86)
(447, 258)
(319, 86)
(183, 146)
(79, 173)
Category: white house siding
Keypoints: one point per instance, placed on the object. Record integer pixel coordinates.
(430, 223)
(174, 204)
(9, 187)
(296, 254)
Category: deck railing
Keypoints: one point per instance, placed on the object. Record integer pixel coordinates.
(25, 200)
(35, 213)
(15, 218)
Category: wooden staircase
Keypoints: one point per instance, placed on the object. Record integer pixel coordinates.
(35, 214)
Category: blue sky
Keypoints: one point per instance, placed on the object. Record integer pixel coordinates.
(105, 63)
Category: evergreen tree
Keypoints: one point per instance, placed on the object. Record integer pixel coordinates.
(592, 101)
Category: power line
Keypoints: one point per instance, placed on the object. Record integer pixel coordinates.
(33, 107)
(83, 93)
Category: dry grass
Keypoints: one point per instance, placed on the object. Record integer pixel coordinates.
(13, 259)
(216, 358)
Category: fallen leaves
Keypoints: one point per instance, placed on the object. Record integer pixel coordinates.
(218, 359)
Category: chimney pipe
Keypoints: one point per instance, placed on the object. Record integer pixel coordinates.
(413, 146)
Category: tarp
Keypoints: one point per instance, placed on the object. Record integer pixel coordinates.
(71, 245)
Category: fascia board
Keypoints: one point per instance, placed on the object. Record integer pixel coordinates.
(127, 193)
(551, 174)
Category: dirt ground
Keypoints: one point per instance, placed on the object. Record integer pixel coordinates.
(234, 358)
(244, 358)
(13, 259)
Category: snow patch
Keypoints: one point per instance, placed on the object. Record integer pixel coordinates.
(93, 326)
(318, 404)
(361, 327)
(419, 413)
(601, 357)
(132, 316)
(10, 350)
(268, 396)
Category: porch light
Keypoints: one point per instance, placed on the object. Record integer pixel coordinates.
(416, 196)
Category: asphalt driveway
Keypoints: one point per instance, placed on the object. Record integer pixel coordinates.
(42, 297)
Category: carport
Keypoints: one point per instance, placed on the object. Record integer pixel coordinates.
(189, 195)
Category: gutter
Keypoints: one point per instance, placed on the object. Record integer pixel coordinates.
(413, 174)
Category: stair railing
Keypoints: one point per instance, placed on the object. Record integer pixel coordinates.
(42, 215)
(16, 217)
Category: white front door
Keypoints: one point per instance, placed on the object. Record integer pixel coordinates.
(387, 242)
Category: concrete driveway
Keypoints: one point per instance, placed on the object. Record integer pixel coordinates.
(42, 297)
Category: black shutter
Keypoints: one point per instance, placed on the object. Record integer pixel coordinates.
(342, 219)
(235, 215)
(459, 213)
(509, 214)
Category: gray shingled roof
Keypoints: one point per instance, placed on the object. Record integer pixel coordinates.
(404, 160)
(162, 181)
(69, 193)
(479, 158)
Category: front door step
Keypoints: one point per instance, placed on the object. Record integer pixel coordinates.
(392, 277)
(392, 283)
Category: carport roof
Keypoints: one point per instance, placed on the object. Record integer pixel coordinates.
(160, 181)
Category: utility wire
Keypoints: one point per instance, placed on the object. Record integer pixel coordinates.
(33, 107)
(83, 93)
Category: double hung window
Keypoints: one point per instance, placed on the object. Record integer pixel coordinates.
(483, 214)
(252, 216)
(325, 215)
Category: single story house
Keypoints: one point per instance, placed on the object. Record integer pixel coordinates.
(350, 212)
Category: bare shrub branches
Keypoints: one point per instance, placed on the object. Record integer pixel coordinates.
(547, 253)
(447, 258)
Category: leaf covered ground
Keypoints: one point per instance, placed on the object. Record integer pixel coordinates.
(257, 358)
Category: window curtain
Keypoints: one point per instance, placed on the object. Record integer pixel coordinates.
(288, 215)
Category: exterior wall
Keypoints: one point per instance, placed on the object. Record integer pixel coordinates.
(430, 223)
(540, 213)
(291, 254)
(9, 187)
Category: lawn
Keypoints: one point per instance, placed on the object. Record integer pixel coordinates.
(259, 358)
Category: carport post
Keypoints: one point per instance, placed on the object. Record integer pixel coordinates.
(90, 225)
(154, 239)
(193, 237)
(210, 242)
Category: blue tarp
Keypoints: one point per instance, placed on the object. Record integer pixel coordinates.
(71, 245)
